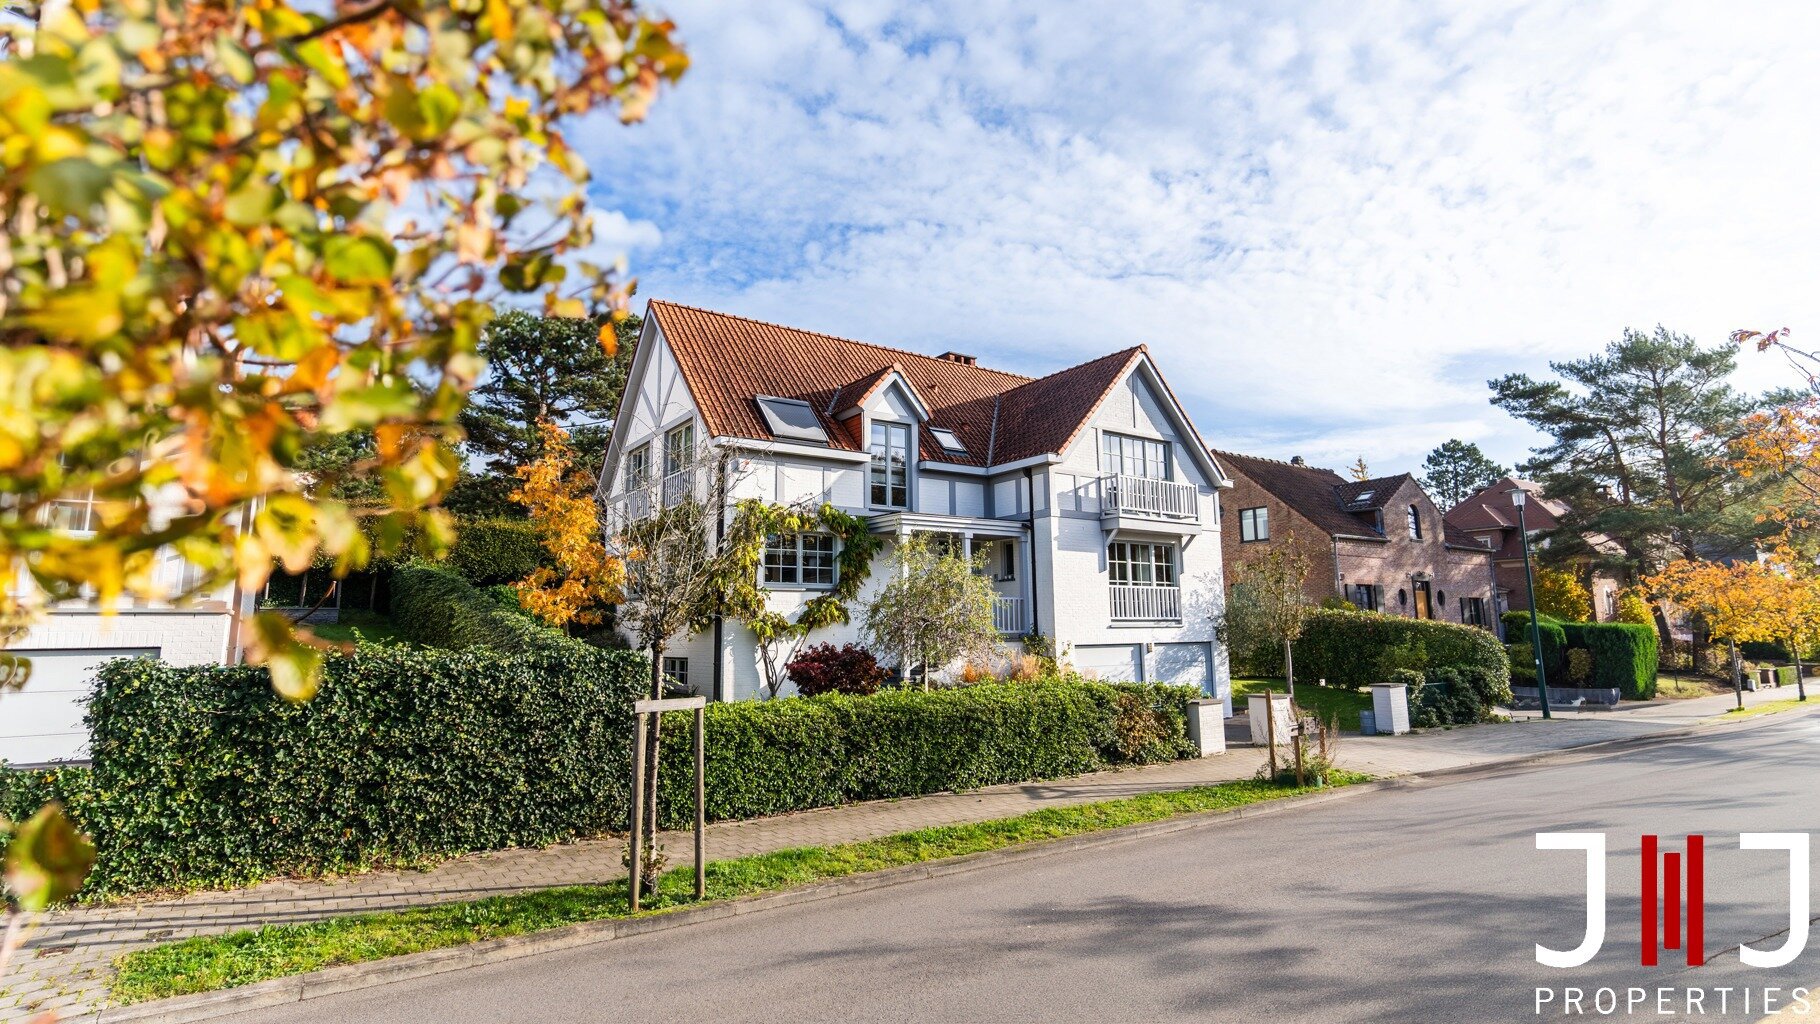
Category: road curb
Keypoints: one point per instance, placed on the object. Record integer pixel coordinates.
(354, 977)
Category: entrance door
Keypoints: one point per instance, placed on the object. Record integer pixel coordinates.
(1424, 607)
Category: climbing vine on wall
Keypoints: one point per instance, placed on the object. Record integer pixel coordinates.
(742, 597)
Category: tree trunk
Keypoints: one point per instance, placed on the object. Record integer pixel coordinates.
(1289, 671)
(1737, 675)
(651, 763)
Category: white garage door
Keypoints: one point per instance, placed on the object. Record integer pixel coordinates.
(1109, 662)
(43, 722)
(1184, 665)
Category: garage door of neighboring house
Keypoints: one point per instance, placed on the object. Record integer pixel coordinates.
(1183, 665)
(43, 721)
(1110, 662)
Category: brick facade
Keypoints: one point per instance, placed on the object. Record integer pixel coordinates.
(1356, 534)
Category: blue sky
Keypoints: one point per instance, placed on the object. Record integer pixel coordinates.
(1331, 223)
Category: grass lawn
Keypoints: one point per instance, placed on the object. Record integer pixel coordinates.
(1679, 687)
(1324, 701)
(1766, 708)
(210, 962)
(367, 625)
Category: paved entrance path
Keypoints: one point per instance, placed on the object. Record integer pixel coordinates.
(66, 962)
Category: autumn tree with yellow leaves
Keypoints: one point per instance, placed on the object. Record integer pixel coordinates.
(229, 230)
(1783, 444)
(1739, 603)
(585, 579)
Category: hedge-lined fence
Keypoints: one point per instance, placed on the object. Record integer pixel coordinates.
(1345, 647)
(203, 777)
(1624, 654)
(793, 754)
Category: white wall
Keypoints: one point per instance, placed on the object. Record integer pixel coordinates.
(659, 401)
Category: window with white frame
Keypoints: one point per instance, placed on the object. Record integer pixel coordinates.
(1254, 524)
(638, 467)
(76, 514)
(1139, 564)
(799, 560)
(676, 672)
(1124, 455)
(679, 448)
(890, 473)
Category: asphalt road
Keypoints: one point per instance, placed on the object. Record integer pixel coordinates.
(1417, 904)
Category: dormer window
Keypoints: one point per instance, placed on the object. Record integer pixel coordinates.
(949, 440)
(890, 473)
(792, 420)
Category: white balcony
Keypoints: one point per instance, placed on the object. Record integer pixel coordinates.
(678, 485)
(1008, 615)
(1146, 603)
(1126, 500)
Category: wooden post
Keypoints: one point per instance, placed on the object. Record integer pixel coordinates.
(1270, 730)
(1300, 780)
(636, 840)
(701, 802)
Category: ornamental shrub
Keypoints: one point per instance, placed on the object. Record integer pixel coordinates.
(1554, 640)
(768, 757)
(202, 776)
(1624, 657)
(1345, 648)
(825, 668)
(1579, 666)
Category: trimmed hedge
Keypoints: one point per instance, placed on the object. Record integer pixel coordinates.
(488, 551)
(1343, 647)
(433, 605)
(796, 753)
(203, 777)
(1554, 640)
(1455, 696)
(1623, 653)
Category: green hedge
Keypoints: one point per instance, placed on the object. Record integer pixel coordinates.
(202, 776)
(1554, 640)
(433, 605)
(800, 752)
(490, 551)
(1624, 656)
(1343, 647)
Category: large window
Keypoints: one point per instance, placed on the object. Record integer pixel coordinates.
(638, 467)
(891, 465)
(1254, 524)
(1134, 456)
(799, 559)
(1141, 565)
(1472, 611)
(76, 515)
(679, 448)
(1415, 523)
(1368, 596)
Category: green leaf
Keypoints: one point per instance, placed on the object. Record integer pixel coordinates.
(251, 203)
(358, 259)
(47, 859)
(440, 106)
(72, 185)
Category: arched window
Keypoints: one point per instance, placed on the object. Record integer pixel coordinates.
(1415, 523)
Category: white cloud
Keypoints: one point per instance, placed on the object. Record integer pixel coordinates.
(1331, 222)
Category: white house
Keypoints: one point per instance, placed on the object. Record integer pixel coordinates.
(43, 721)
(1090, 488)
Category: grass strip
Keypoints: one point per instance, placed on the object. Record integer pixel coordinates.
(1324, 702)
(1766, 708)
(210, 962)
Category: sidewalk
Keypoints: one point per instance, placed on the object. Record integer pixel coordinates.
(66, 962)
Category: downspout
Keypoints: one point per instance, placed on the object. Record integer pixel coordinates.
(1036, 623)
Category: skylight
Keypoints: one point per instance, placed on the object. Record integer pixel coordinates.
(792, 420)
(948, 439)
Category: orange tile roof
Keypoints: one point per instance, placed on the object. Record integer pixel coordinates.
(727, 361)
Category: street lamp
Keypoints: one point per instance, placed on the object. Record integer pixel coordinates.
(1519, 498)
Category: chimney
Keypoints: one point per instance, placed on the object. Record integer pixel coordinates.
(956, 357)
(1297, 460)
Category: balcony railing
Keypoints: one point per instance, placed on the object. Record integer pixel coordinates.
(678, 485)
(1008, 615)
(1146, 496)
(1146, 604)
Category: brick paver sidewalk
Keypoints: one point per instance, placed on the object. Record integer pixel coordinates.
(66, 962)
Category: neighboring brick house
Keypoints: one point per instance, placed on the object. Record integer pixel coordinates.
(1381, 544)
(1490, 517)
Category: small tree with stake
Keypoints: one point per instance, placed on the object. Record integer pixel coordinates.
(668, 532)
(1267, 612)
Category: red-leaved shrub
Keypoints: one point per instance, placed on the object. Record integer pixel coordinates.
(825, 668)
